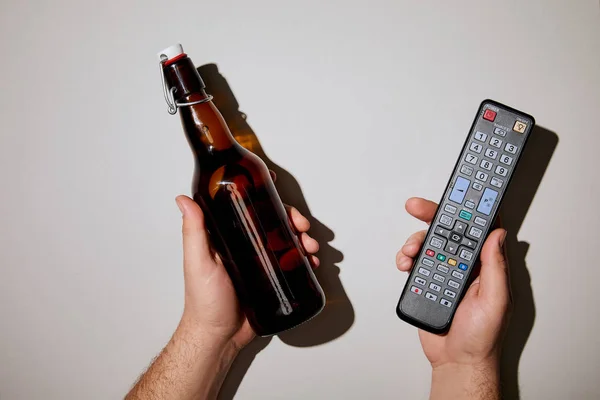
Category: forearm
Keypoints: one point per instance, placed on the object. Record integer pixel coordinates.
(466, 382)
(191, 366)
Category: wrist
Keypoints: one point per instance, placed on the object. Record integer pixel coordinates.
(205, 342)
(480, 380)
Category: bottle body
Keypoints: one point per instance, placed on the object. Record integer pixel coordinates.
(250, 230)
(248, 225)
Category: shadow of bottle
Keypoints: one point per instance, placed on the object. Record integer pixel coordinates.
(338, 315)
(516, 203)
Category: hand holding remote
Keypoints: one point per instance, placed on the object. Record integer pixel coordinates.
(469, 352)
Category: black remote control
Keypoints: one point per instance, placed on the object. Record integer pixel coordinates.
(464, 217)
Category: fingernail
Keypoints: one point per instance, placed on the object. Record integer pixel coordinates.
(180, 206)
(503, 238)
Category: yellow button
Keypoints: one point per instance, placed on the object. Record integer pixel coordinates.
(452, 261)
(520, 127)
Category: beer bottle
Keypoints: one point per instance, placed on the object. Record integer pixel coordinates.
(248, 225)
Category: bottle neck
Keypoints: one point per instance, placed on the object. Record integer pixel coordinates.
(204, 126)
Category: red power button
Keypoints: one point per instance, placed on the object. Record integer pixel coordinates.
(489, 115)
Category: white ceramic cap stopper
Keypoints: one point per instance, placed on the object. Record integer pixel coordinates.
(171, 52)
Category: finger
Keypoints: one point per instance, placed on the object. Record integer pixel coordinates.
(196, 248)
(404, 258)
(493, 278)
(273, 175)
(299, 221)
(421, 209)
(315, 262)
(310, 245)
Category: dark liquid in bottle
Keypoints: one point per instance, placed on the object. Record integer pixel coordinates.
(248, 224)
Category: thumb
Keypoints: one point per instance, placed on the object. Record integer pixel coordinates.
(196, 248)
(493, 278)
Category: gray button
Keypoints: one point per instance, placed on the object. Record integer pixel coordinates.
(460, 227)
(436, 242)
(450, 208)
(482, 176)
(457, 274)
(496, 182)
(431, 296)
(446, 303)
(428, 262)
(446, 220)
(455, 237)
(480, 136)
(511, 148)
(449, 293)
(496, 142)
(420, 281)
(469, 243)
(480, 221)
(466, 255)
(471, 159)
(504, 159)
(442, 232)
(465, 169)
(424, 272)
(500, 170)
(470, 204)
(438, 278)
(485, 164)
(491, 154)
(476, 147)
(453, 284)
(435, 287)
(443, 268)
(416, 290)
(475, 232)
(477, 186)
(451, 248)
(499, 132)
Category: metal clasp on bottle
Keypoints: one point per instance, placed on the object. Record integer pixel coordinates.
(169, 93)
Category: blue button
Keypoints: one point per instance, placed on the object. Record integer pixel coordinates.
(487, 201)
(463, 266)
(460, 190)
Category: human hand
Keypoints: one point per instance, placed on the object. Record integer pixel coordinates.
(211, 305)
(476, 333)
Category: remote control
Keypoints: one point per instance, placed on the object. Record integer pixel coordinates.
(464, 217)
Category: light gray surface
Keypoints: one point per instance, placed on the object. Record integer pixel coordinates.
(366, 103)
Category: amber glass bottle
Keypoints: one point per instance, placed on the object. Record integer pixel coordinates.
(247, 222)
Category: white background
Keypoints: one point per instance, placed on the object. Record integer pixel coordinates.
(365, 103)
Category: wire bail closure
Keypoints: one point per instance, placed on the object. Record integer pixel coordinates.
(169, 93)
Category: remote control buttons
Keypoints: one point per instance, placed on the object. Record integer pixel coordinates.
(446, 220)
(446, 303)
(470, 204)
(482, 176)
(480, 221)
(466, 255)
(439, 278)
(452, 262)
(457, 274)
(491, 154)
(441, 257)
(463, 267)
(490, 116)
(477, 186)
(459, 190)
(453, 284)
(465, 169)
(511, 148)
(424, 272)
(520, 127)
(428, 262)
(443, 268)
(487, 201)
(499, 132)
(460, 227)
(420, 281)
(416, 290)
(501, 170)
(471, 159)
(475, 232)
(506, 160)
(450, 208)
(435, 287)
(476, 147)
(442, 232)
(480, 136)
(496, 142)
(431, 296)
(496, 182)
(465, 215)
(449, 293)
(468, 242)
(430, 252)
(451, 248)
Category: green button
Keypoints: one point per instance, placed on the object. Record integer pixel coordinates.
(465, 215)
(441, 257)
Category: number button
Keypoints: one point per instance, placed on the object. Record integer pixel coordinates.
(506, 160)
(471, 159)
(491, 154)
(480, 136)
(511, 148)
(485, 164)
(482, 176)
(496, 142)
(501, 171)
(476, 147)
